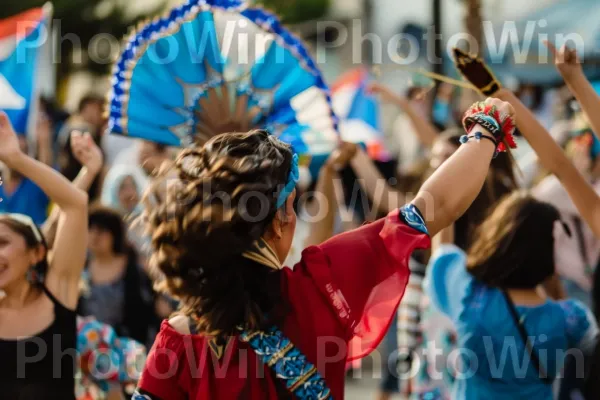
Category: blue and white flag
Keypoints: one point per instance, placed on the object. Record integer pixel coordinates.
(22, 40)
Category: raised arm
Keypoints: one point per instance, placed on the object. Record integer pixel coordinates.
(384, 198)
(322, 228)
(449, 192)
(550, 154)
(90, 156)
(426, 132)
(554, 159)
(369, 265)
(71, 238)
(569, 67)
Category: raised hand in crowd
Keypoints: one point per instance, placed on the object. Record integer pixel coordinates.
(438, 200)
(387, 95)
(10, 149)
(322, 229)
(340, 158)
(551, 156)
(87, 152)
(426, 132)
(569, 66)
(567, 62)
(89, 155)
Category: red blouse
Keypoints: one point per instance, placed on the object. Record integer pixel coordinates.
(342, 295)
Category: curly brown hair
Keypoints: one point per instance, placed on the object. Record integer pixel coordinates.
(222, 199)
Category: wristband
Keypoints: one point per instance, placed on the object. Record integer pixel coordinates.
(501, 126)
(488, 123)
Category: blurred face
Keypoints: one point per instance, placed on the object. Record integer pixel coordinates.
(150, 158)
(100, 241)
(15, 257)
(440, 152)
(92, 114)
(128, 195)
(284, 226)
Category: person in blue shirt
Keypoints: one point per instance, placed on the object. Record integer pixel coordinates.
(508, 263)
(20, 195)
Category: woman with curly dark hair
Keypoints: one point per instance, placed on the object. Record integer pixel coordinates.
(250, 329)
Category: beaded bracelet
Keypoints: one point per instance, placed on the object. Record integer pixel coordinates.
(478, 136)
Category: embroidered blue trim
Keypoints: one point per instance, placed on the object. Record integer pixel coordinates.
(413, 218)
(138, 396)
(300, 376)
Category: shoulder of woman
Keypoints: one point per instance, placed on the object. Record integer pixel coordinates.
(446, 253)
(181, 324)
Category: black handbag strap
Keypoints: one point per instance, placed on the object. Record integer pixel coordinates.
(583, 251)
(523, 333)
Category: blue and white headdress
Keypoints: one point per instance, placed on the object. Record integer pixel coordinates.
(216, 66)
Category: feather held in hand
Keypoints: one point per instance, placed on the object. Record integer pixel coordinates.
(476, 72)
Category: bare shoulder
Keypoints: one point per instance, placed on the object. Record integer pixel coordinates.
(181, 323)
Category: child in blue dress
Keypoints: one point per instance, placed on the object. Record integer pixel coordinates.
(512, 338)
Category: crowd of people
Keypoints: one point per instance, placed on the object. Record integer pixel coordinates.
(117, 246)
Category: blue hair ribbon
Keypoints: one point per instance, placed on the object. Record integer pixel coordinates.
(289, 187)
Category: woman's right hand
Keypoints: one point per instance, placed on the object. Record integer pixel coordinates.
(86, 151)
(566, 61)
(9, 142)
(342, 156)
(386, 94)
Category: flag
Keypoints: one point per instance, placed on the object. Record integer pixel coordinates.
(359, 113)
(22, 39)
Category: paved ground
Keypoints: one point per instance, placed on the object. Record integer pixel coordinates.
(364, 389)
(365, 385)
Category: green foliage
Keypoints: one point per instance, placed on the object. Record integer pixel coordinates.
(296, 11)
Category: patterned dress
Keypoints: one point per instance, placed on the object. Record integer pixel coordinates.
(105, 360)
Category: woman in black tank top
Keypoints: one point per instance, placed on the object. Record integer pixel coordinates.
(38, 295)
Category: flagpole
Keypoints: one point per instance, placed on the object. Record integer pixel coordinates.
(49, 83)
(47, 12)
